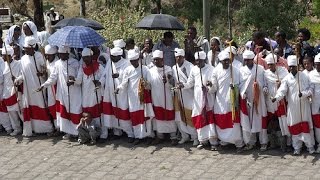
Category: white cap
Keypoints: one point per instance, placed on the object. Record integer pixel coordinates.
(51, 9)
(223, 55)
(133, 55)
(30, 41)
(119, 43)
(200, 55)
(48, 49)
(9, 50)
(317, 58)
(292, 60)
(64, 49)
(233, 50)
(179, 52)
(157, 54)
(271, 58)
(116, 51)
(86, 52)
(248, 54)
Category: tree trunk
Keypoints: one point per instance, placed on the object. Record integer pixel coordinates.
(158, 3)
(82, 8)
(38, 14)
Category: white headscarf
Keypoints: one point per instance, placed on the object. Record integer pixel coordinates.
(9, 38)
(218, 39)
(32, 27)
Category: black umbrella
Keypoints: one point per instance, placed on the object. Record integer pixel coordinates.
(79, 22)
(160, 22)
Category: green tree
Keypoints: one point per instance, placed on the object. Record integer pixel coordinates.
(270, 15)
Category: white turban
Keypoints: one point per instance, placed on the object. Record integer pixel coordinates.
(292, 60)
(248, 54)
(119, 43)
(157, 54)
(223, 55)
(30, 41)
(116, 51)
(64, 49)
(200, 55)
(179, 52)
(317, 58)
(233, 50)
(9, 50)
(271, 58)
(86, 52)
(50, 49)
(52, 9)
(133, 55)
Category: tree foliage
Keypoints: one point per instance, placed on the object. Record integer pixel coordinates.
(270, 15)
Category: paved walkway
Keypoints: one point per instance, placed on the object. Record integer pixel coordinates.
(53, 158)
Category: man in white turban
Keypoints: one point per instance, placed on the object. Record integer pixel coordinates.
(277, 117)
(119, 43)
(184, 99)
(296, 88)
(68, 105)
(33, 72)
(202, 113)
(116, 114)
(227, 119)
(251, 90)
(139, 98)
(314, 76)
(161, 80)
(9, 108)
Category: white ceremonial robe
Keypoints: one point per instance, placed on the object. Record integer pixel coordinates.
(256, 121)
(68, 115)
(10, 94)
(277, 109)
(141, 114)
(184, 125)
(4, 116)
(315, 106)
(202, 111)
(52, 90)
(115, 106)
(298, 127)
(91, 97)
(35, 115)
(215, 60)
(228, 129)
(147, 60)
(164, 121)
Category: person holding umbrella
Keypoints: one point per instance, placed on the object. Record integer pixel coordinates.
(69, 107)
(167, 46)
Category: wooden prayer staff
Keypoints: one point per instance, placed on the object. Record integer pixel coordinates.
(94, 79)
(298, 49)
(232, 90)
(115, 95)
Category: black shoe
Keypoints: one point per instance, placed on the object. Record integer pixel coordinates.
(136, 141)
(130, 140)
(174, 142)
(156, 141)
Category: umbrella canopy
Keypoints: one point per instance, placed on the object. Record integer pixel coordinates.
(79, 22)
(160, 22)
(76, 37)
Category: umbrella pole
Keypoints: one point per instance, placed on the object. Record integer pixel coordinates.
(14, 87)
(181, 96)
(96, 89)
(204, 93)
(43, 96)
(115, 95)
